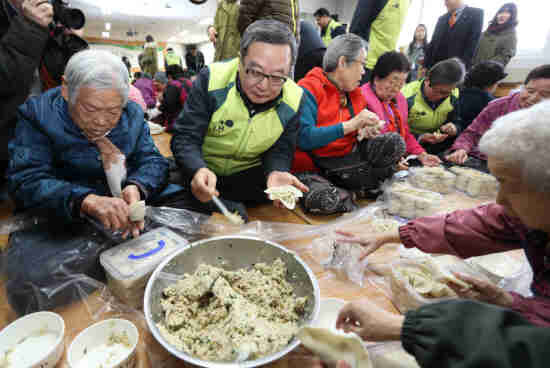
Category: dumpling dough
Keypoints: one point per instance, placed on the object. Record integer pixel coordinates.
(137, 211)
(333, 345)
(287, 194)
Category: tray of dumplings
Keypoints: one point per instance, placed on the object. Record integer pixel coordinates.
(475, 183)
(406, 201)
(435, 179)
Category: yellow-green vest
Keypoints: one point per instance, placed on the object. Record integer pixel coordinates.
(385, 30)
(422, 118)
(172, 58)
(327, 36)
(235, 141)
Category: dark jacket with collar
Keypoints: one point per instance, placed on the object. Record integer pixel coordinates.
(460, 41)
(471, 102)
(22, 44)
(53, 166)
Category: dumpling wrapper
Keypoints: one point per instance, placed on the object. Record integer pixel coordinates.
(333, 345)
(137, 211)
(287, 194)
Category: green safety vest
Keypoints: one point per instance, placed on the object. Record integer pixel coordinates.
(235, 141)
(172, 58)
(422, 118)
(327, 36)
(385, 30)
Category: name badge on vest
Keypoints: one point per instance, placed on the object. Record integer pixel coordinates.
(218, 128)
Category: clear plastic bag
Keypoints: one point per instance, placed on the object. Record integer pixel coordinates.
(412, 283)
(340, 256)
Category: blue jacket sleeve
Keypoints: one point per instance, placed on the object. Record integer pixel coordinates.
(311, 136)
(31, 174)
(147, 168)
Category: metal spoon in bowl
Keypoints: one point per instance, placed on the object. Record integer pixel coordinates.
(232, 217)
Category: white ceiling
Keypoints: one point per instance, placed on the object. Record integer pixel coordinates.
(163, 19)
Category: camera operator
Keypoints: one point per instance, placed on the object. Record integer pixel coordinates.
(24, 35)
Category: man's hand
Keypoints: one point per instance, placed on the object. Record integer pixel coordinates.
(279, 179)
(449, 129)
(111, 212)
(483, 291)
(370, 242)
(38, 11)
(364, 119)
(429, 160)
(130, 194)
(369, 321)
(458, 157)
(203, 185)
(212, 34)
(432, 138)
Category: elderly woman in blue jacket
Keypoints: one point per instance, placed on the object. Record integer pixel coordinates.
(65, 141)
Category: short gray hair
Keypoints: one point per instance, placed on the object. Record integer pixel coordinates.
(96, 69)
(521, 139)
(446, 72)
(272, 32)
(347, 45)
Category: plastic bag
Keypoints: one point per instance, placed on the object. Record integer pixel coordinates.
(435, 179)
(412, 283)
(339, 256)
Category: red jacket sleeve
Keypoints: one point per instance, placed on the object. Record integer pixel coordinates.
(467, 233)
(413, 147)
(536, 310)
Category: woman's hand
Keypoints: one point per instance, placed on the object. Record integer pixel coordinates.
(432, 138)
(369, 321)
(483, 291)
(370, 242)
(458, 157)
(429, 160)
(402, 164)
(130, 194)
(450, 129)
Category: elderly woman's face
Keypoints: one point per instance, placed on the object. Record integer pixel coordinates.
(534, 92)
(96, 112)
(518, 198)
(349, 75)
(388, 88)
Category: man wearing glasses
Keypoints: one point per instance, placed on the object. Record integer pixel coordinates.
(237, 133)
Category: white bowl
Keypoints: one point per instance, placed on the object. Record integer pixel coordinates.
(91, 347)
(328, 313)
(35, 340)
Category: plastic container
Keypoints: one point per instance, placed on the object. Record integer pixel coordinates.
(129, 265)
(503, 270)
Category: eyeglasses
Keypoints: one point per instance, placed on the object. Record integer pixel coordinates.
(257, 76)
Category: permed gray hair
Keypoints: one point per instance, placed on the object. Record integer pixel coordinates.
(272, 32)
(96, 69)
(521, 139)
(347, 45)
(450, 71)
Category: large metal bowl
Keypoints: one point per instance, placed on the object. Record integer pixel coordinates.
(230, 253)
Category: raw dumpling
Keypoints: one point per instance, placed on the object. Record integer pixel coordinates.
(333, 345)
(287, 194)
(137, 211)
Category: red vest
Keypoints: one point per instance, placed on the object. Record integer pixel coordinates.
(329, 112)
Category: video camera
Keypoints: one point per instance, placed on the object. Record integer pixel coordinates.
(66, 16)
